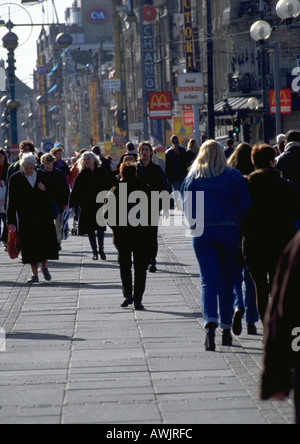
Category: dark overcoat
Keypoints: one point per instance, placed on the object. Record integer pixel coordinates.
(30, 210)
(87, 186)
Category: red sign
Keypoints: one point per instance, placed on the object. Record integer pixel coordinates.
(160, 105)
(149, 13)
(14, 150)
(188, 115)
(285, 101)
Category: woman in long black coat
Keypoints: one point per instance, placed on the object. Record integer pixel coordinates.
(271, 221)
(91, 180)
(29, 209)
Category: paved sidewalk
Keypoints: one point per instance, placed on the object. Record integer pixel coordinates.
(74, 356)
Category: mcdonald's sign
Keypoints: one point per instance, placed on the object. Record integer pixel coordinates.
(285, 101)
(160, 105)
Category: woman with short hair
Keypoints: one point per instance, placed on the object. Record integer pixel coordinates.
(30, 210)
(226, 203)
(91, 180)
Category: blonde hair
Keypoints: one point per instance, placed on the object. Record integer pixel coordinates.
(211, 160)
(81, 163)
(47, 158)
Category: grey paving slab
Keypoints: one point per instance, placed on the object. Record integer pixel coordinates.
(74, 356)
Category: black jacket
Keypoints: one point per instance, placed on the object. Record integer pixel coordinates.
(289, 164)
(30, 209)
(271, 221)
(282, 318)
(176, 165)
(86, 188)
(60, 187)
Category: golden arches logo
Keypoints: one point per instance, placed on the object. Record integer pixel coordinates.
(160, 100)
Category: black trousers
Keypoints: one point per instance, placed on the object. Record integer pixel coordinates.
(132, 251)
(93, 241)
(263, 283)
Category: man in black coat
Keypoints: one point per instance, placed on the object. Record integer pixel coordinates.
(176, 164)
(289, 162)
(153, 176)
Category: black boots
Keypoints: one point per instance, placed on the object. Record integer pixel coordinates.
(210, 344)
(226, 338)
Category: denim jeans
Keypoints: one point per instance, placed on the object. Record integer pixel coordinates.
(245, 294)
(216, 251)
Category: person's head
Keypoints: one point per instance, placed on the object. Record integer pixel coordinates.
(48, 161)
(130, 147)
(211, 160)
(280, 140)
(28, 164)
(263, 156)
(193, 146)
(96, 150)
(3, 158)
(174, 140)
(128, 171)
(88, 161)
(293, 136)
(241, 159)
(145, 151)
(129, 158)
(57, 153)
(230, 142)
(26, 146)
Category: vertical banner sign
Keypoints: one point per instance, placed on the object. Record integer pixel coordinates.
(149, 58)
(188, 34)
(94, 112)
(43, 108)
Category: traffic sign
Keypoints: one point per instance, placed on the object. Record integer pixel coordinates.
(14, 150)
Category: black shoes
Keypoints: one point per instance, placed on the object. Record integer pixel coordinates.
(152, 268)
(237, 321)
(252, 330)
(210, 344)
(127, 302)
(102, 255)
(226, 338)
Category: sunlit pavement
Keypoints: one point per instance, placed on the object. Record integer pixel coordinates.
(74, 356)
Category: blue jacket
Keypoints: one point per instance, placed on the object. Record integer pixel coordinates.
(226, 198)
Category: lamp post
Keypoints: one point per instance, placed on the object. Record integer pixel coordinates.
(287, 10)
(260, 31)
(210, 72)
(143, 72)
(65, 40)
(10, 42)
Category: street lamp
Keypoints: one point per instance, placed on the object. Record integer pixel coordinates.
(11, 42)
(288, 9)
(261, 31)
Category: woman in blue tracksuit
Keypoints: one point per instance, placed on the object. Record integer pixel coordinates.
(216, 242)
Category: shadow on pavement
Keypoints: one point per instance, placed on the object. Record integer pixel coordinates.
(41, 337)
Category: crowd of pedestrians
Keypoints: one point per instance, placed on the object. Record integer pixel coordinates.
(251, 214)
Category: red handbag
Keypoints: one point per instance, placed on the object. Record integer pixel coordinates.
(13, 242)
